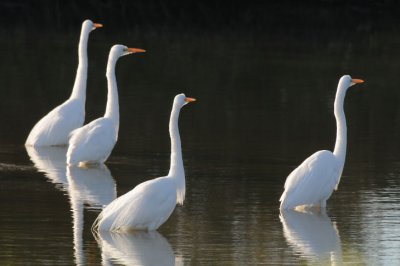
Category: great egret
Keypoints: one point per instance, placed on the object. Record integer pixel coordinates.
(93, 143)
(312, 183)
(150, 203)
(54, 128)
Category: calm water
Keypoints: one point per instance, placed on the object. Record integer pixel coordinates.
(264, 105)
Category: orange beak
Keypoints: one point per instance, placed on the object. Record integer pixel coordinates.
(136, 50)
(189, 100)
(357, 81)
(97, 25)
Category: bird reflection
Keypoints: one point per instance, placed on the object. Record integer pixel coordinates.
(93, 187)
(313, 235)
(136, 248)
(50, 161)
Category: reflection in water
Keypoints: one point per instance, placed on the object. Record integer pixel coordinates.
(51, 161)
(91, 186)
(313, 235)
(136, 248)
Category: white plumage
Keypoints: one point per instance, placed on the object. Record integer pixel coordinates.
(93, 143)
(150, 203)
(312, 183)
(54, 128)
(146, 207)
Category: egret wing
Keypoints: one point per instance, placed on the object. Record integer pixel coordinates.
(312, 181)
(147, 206)
(93, 142)
(54, 128)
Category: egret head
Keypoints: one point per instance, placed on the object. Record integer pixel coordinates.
(181, 100)
(121, 50)
(89, 25)
(347, 81)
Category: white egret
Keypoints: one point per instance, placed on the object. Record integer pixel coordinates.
(93, 143)
(312, 183)
(54, 128)
(150, 203)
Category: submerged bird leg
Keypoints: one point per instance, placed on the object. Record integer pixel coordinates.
(314, 208)
(88, 165)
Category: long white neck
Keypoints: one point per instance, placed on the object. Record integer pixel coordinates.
(176, 170)
(112, 109)
(341, 131)
(79, 90)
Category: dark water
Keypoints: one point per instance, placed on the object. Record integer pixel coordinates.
(264, 104)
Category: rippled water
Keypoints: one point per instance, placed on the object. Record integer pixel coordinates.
(263, 106)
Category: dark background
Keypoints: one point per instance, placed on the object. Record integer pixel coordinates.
(260, 16)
